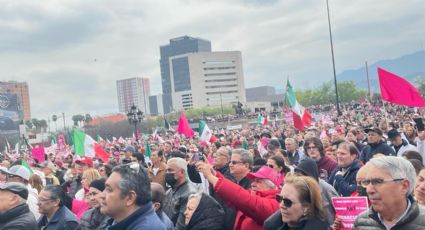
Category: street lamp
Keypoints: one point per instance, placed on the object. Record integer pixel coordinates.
(135, 116)
(333, 59)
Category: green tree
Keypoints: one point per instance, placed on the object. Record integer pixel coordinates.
(420, 83)
(29, 124)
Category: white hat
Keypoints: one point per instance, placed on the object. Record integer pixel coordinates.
(20, 171)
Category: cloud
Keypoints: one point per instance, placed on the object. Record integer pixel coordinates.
(72, 52)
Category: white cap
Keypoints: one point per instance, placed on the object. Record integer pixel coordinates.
(20, 171)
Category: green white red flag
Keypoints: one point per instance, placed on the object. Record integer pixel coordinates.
(300, 115)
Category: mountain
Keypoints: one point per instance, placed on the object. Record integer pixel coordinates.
(409, 66)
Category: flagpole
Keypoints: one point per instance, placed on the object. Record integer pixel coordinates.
(333, 59)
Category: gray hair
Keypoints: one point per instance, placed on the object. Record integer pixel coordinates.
(245, 157)
(180, 162)
(196, 196)
(292, 140)
(269, 183)
(397, 167)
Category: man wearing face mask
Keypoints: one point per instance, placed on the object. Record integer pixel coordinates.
(176, 197)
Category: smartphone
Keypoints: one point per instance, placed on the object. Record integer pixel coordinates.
(197, 157)
(419, 124)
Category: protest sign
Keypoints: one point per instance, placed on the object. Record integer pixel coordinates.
(349, 208)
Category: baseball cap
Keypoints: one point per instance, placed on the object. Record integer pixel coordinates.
(265, 172)
(130, 148)
(48, 164)
(85, 161)
(393, 133)
(15, 187)
(4, 170)
(375, 130)
(20, 171)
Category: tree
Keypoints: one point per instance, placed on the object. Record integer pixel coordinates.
(43, 124)
(36, 124)
(420, 83)
(77, 119)
(29, 124)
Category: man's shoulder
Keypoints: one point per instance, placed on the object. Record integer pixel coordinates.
(149, 220)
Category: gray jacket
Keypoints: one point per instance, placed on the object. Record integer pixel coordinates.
(175, 203)
(18, 218)
(328, 191)
(413, 220)
(92, 219)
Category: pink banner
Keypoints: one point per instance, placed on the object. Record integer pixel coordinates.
(349, 208)
(38, 153)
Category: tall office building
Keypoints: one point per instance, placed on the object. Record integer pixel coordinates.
(211, 79)
(22, 91)
(133, 91)
(178, 46)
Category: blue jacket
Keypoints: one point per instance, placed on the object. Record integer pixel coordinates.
(346, 184)
(63, 219)
(143, 218)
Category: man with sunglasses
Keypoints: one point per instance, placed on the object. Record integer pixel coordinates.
(389, 185)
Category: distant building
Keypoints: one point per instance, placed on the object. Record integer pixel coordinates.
(178, 46)
(22, 91)
(210, 79)
(264, 98)
(133, 91)
(156, 107)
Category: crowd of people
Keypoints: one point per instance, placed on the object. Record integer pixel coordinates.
(257, 177)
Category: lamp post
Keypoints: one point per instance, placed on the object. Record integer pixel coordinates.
(135, 116)
(333, 59)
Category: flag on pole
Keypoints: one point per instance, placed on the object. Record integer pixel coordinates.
(84, 145)
(53, 140)
(184, 127)
(26, 165)
(148, 150)
(398, 90)
(7, 146)
(204, 131)
(301, 116)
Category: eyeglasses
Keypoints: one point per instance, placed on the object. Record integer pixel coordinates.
(378, 181)
(271, 166)
(44, 200)
(286, 202)
(236, 162)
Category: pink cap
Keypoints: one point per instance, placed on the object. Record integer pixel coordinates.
(266, 172)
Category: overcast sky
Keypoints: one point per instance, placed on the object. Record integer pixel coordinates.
(71, 52)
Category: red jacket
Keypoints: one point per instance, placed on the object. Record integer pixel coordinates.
(253, 210)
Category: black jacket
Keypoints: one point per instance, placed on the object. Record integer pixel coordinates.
(225, 171)
(18, 218)
(371, 149)
(274, 222)
(209, 215)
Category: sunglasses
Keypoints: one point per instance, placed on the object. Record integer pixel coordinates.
(236, 162)
(286, 202)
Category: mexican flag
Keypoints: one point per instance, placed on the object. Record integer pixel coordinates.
(262, 119)
(204, 132)
(300, 115)
(84, 145)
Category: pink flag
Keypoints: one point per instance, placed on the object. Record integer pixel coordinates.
(398, 90)
(38, 153)
(184, 127)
